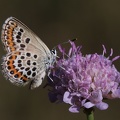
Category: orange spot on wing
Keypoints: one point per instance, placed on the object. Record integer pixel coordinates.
(17, 53)
(15, 71)
(11, 44)
(8, 35)
(24, 78)
(19, 74)
(12, 48)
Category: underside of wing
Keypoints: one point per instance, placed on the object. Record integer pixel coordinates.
(27, 57)
(23, 67)
(17, 36)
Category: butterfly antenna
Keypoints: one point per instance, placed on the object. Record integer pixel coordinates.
(65, 42)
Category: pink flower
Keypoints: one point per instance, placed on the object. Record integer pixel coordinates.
(84, 81)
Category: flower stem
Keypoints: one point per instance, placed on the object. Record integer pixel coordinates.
(89, 113)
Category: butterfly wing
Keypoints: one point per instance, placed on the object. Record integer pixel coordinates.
(26, 54)
(16, 35)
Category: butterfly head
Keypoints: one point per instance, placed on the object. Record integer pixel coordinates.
(54, 54)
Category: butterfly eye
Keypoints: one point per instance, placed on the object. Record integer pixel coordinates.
(53, 51)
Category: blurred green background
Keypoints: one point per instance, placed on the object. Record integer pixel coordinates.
(92, 22)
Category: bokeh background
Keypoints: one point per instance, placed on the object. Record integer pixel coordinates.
(92, 22)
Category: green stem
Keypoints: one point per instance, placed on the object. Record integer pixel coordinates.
(89, 113)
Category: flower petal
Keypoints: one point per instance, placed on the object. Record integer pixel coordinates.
(74, 109)
(67, 98)
(88, 105)
(102, 106)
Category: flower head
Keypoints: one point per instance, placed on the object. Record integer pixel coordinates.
(84, 81)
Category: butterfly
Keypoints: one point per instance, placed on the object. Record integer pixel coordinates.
(28, 59)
